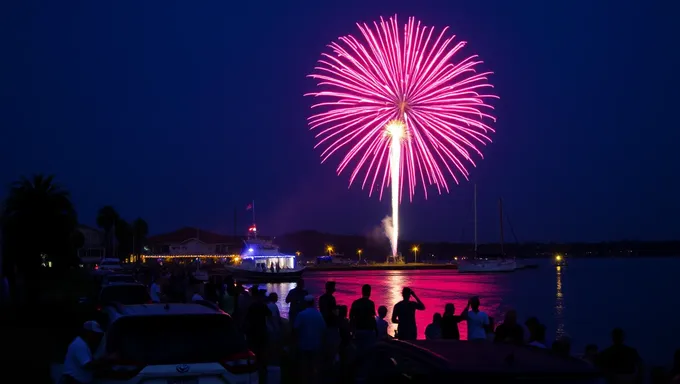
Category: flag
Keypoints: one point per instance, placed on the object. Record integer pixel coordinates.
(249, 207)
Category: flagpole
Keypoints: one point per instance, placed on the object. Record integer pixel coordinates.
(253, 212)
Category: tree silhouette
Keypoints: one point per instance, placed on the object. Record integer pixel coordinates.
(106, 220)
(140, 229)
(38, 223)
(123, 233)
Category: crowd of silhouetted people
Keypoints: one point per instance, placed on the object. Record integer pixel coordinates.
(320, 334)
(322, 338)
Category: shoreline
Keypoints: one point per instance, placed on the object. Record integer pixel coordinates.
(396, 267)
(380, 267)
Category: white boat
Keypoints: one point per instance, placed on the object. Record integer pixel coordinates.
(486, 266)
(261, 261)
(498, 263)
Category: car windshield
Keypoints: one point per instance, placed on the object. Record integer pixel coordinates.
(175, 339)
(125, 294)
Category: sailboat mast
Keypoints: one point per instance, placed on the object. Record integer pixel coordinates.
(475, 204)
(500, 212)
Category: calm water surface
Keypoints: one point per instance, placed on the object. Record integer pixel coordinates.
(583, 300)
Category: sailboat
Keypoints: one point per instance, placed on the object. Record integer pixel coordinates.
(486, 265)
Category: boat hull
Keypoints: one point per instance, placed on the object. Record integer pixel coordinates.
(250, 276)
(487, 266)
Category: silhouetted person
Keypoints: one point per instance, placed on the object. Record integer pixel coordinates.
(450, 323)
(591, 354)
(404, 314)
(228, 298)
(562, 347)
(478, 323)
(510, 332)
(155, 290)
(537, 338)
(345, 332)
(256, 331)
(381, 322)
(296, 298)
(327, 304)
(675, 370)
(433, 331)
(328, 309)
(79, 364)
(530, 328)
(619, 361)
(309, 329)
(362, 319)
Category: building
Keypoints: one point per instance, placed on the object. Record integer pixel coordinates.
(191, 242)
(93, 249)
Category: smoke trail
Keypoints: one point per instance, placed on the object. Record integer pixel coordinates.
(388, 228)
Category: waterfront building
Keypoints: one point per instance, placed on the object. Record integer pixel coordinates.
(93, 249)
(194, 243)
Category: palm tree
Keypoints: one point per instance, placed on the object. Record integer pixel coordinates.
(123, 234)
(38, 221)
(106, 219)
(140, 229)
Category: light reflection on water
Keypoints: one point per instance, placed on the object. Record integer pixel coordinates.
(599, 293)
(559, 304)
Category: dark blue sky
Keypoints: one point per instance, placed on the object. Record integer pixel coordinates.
(179, 112)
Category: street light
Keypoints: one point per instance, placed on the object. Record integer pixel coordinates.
(298, 253)
(415, 250)
(329, 249)
(359, 252)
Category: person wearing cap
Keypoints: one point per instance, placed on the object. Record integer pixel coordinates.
(79, 363)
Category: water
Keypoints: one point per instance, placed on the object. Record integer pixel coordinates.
(584, 300)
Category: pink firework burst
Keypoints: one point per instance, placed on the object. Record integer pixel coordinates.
(412, 76)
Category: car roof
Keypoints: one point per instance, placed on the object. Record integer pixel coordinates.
(167, 309)
(501, 359)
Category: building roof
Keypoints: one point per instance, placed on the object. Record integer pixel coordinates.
(188, 233)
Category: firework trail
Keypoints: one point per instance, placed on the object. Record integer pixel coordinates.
(400, 109)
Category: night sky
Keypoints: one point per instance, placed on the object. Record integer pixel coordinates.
(180, 112)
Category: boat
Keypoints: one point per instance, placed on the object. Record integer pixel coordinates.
(262, 262)
(491, 263)
(486, 266)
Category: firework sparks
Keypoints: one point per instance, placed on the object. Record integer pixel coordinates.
(400, 109)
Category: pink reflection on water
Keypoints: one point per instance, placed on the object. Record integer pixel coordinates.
(435, 289)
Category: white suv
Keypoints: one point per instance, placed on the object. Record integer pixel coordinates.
(174, 344)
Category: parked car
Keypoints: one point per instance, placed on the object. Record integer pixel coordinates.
(174, 343)
(118, 278)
